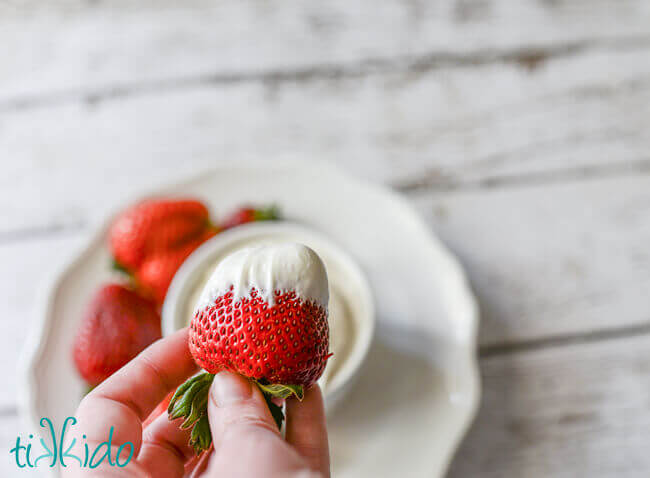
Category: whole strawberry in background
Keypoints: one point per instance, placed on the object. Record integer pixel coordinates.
(246, 214)
(117, 325)
(155, 225)
(155, 274)
(262, 314)
(151, 239)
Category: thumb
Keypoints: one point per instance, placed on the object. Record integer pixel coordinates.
(237, 406)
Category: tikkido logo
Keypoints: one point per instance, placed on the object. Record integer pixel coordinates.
(53, 453)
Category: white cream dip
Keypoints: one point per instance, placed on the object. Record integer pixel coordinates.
(285, 266)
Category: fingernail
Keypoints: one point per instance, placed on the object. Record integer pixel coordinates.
(228, 388)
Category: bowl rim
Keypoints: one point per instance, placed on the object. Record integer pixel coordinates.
(184, 281)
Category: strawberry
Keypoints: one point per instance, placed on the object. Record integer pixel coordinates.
(274, 336)
(118, 325)
(157, 271)
(284, 343)
(247, 214)
(153, 225)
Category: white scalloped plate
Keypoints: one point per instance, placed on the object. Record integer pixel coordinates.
(419, 388)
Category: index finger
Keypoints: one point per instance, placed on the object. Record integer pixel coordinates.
(131, 393)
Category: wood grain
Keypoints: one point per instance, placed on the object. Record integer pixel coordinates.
(563, 412)
(64, 47)
(551, 260)
(438, 128)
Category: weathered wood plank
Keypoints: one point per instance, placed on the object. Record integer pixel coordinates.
(53, 48)
(448, 127)
(563, 412)
(551, 260)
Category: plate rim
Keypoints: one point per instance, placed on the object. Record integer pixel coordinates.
(41, 326)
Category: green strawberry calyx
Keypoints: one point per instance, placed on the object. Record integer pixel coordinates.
(116, 266)
(270, 213)
(191, 403)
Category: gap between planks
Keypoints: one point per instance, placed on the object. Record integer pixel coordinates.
(594, 336)
(432, 181)
(528, 57)
(47, 231)
(8, 411)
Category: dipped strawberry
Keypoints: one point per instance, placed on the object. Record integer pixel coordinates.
(117, 326)
(262, 314)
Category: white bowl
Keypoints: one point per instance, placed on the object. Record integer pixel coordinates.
(345, 277)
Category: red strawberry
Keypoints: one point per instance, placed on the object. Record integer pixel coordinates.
(283, 347)
(117, 326)
(244, 215)
(157, 271)
(154, 225)
(286, 343)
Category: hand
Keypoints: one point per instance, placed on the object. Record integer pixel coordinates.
(246, 440)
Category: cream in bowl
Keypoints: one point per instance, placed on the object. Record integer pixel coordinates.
(262, 254)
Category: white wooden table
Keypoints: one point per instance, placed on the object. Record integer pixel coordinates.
(519, 129)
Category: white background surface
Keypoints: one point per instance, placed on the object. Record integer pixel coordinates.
(520, 131)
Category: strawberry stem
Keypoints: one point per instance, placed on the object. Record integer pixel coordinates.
(270, 213)
(190, 401)
(278, 390)
(115, 265)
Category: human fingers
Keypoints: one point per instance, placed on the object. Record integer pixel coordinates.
(236, 405)
(306, 430)
(246, 438)
(165, 448)
(126, 398)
